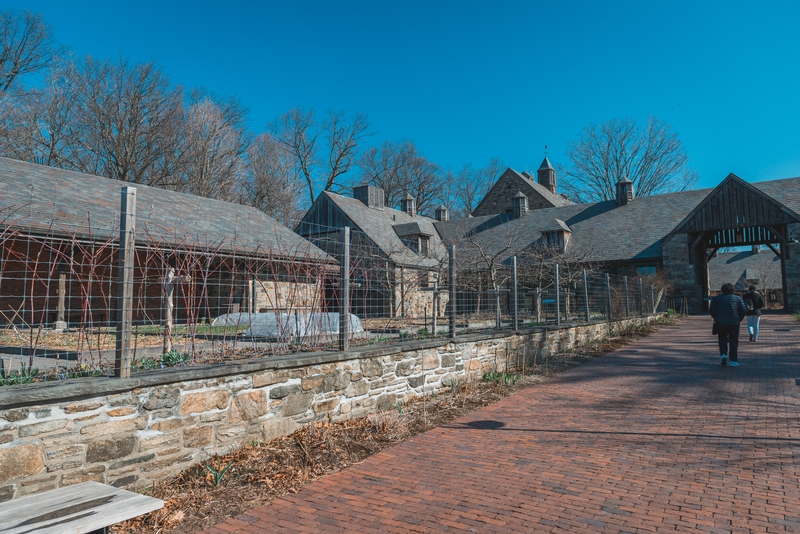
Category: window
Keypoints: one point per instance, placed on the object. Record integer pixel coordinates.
(647, 270)
(411, 242)
(553, 240)
(423, 248)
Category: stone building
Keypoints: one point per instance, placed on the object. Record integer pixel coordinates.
(58, 239)
(396, 254)
(541, 194)
(677, 233)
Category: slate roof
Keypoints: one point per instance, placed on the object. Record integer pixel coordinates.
(546, 165)
(46, 201)
(382, 226)
(555, 200)
(734, 267)
(603, 231)
(786, 191)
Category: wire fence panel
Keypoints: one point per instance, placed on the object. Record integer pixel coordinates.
(198, 300)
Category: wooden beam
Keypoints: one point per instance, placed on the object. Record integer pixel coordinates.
(773, 249)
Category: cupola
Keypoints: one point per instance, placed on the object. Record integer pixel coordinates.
(547, 175)
(624, 191)
(409, 205)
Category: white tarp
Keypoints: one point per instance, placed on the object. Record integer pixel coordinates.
(285, 326)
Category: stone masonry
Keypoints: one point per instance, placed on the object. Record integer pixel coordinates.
(132, 432)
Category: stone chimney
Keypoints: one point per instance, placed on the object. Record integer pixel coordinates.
(441, 213)
(409, 205)
(624, 191)
(370, 195)
(520, 205)
(547, 175)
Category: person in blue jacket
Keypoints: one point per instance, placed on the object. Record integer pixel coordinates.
(728, 310)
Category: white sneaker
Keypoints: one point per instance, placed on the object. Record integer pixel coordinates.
(734, 364)
(724, 360)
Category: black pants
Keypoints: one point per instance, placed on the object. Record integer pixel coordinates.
(728, 335)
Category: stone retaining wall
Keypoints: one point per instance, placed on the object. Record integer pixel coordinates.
(131, 432)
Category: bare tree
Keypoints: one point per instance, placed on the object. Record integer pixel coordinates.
(653, 158)
(37, 125)
(272, 180)
(306, 139)
(485, 258)
(26, 46)
(467, 187)
(212, 162)
(128, 119)
(398, 169)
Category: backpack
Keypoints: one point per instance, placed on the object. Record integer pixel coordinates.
(748, 304)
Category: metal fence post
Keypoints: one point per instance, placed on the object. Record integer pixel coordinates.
(514, 310)
(625, 286)
(451, 275)
(344, 292)
(558, 294)
(652, 300)
(641, 296)
(608, 291)
(586, 297)
(127, 236)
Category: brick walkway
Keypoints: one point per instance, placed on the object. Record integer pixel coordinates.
(655, 437)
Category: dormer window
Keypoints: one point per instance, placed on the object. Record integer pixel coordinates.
(555, 236)
(415, 236)
(554, 240)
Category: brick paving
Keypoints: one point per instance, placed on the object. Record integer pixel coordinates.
(655, 437)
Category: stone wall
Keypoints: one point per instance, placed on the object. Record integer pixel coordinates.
(499, 199)
(791, 282)
(683, 274)
(132, 432)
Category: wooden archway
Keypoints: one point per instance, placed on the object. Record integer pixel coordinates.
(736, 214)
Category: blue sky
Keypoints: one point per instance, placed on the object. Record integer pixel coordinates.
(467, 81)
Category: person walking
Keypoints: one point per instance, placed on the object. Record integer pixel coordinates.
(753, 302)
(728, 310)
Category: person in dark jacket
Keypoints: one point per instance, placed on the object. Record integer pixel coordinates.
(728, 310)
(753, 302)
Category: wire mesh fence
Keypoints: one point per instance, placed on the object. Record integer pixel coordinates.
(191, 299)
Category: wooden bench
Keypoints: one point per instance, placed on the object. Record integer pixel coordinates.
(83, 508)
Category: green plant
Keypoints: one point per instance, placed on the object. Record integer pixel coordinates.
(405, 334)
(399, 407)
(378, 340)
(670, 313)
(25, 375)
(219, 471)
(501, 378)
(173, 358)
(145, 364)
(83, 371)
(422, 333)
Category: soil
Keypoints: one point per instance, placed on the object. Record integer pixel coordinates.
(260, 472)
